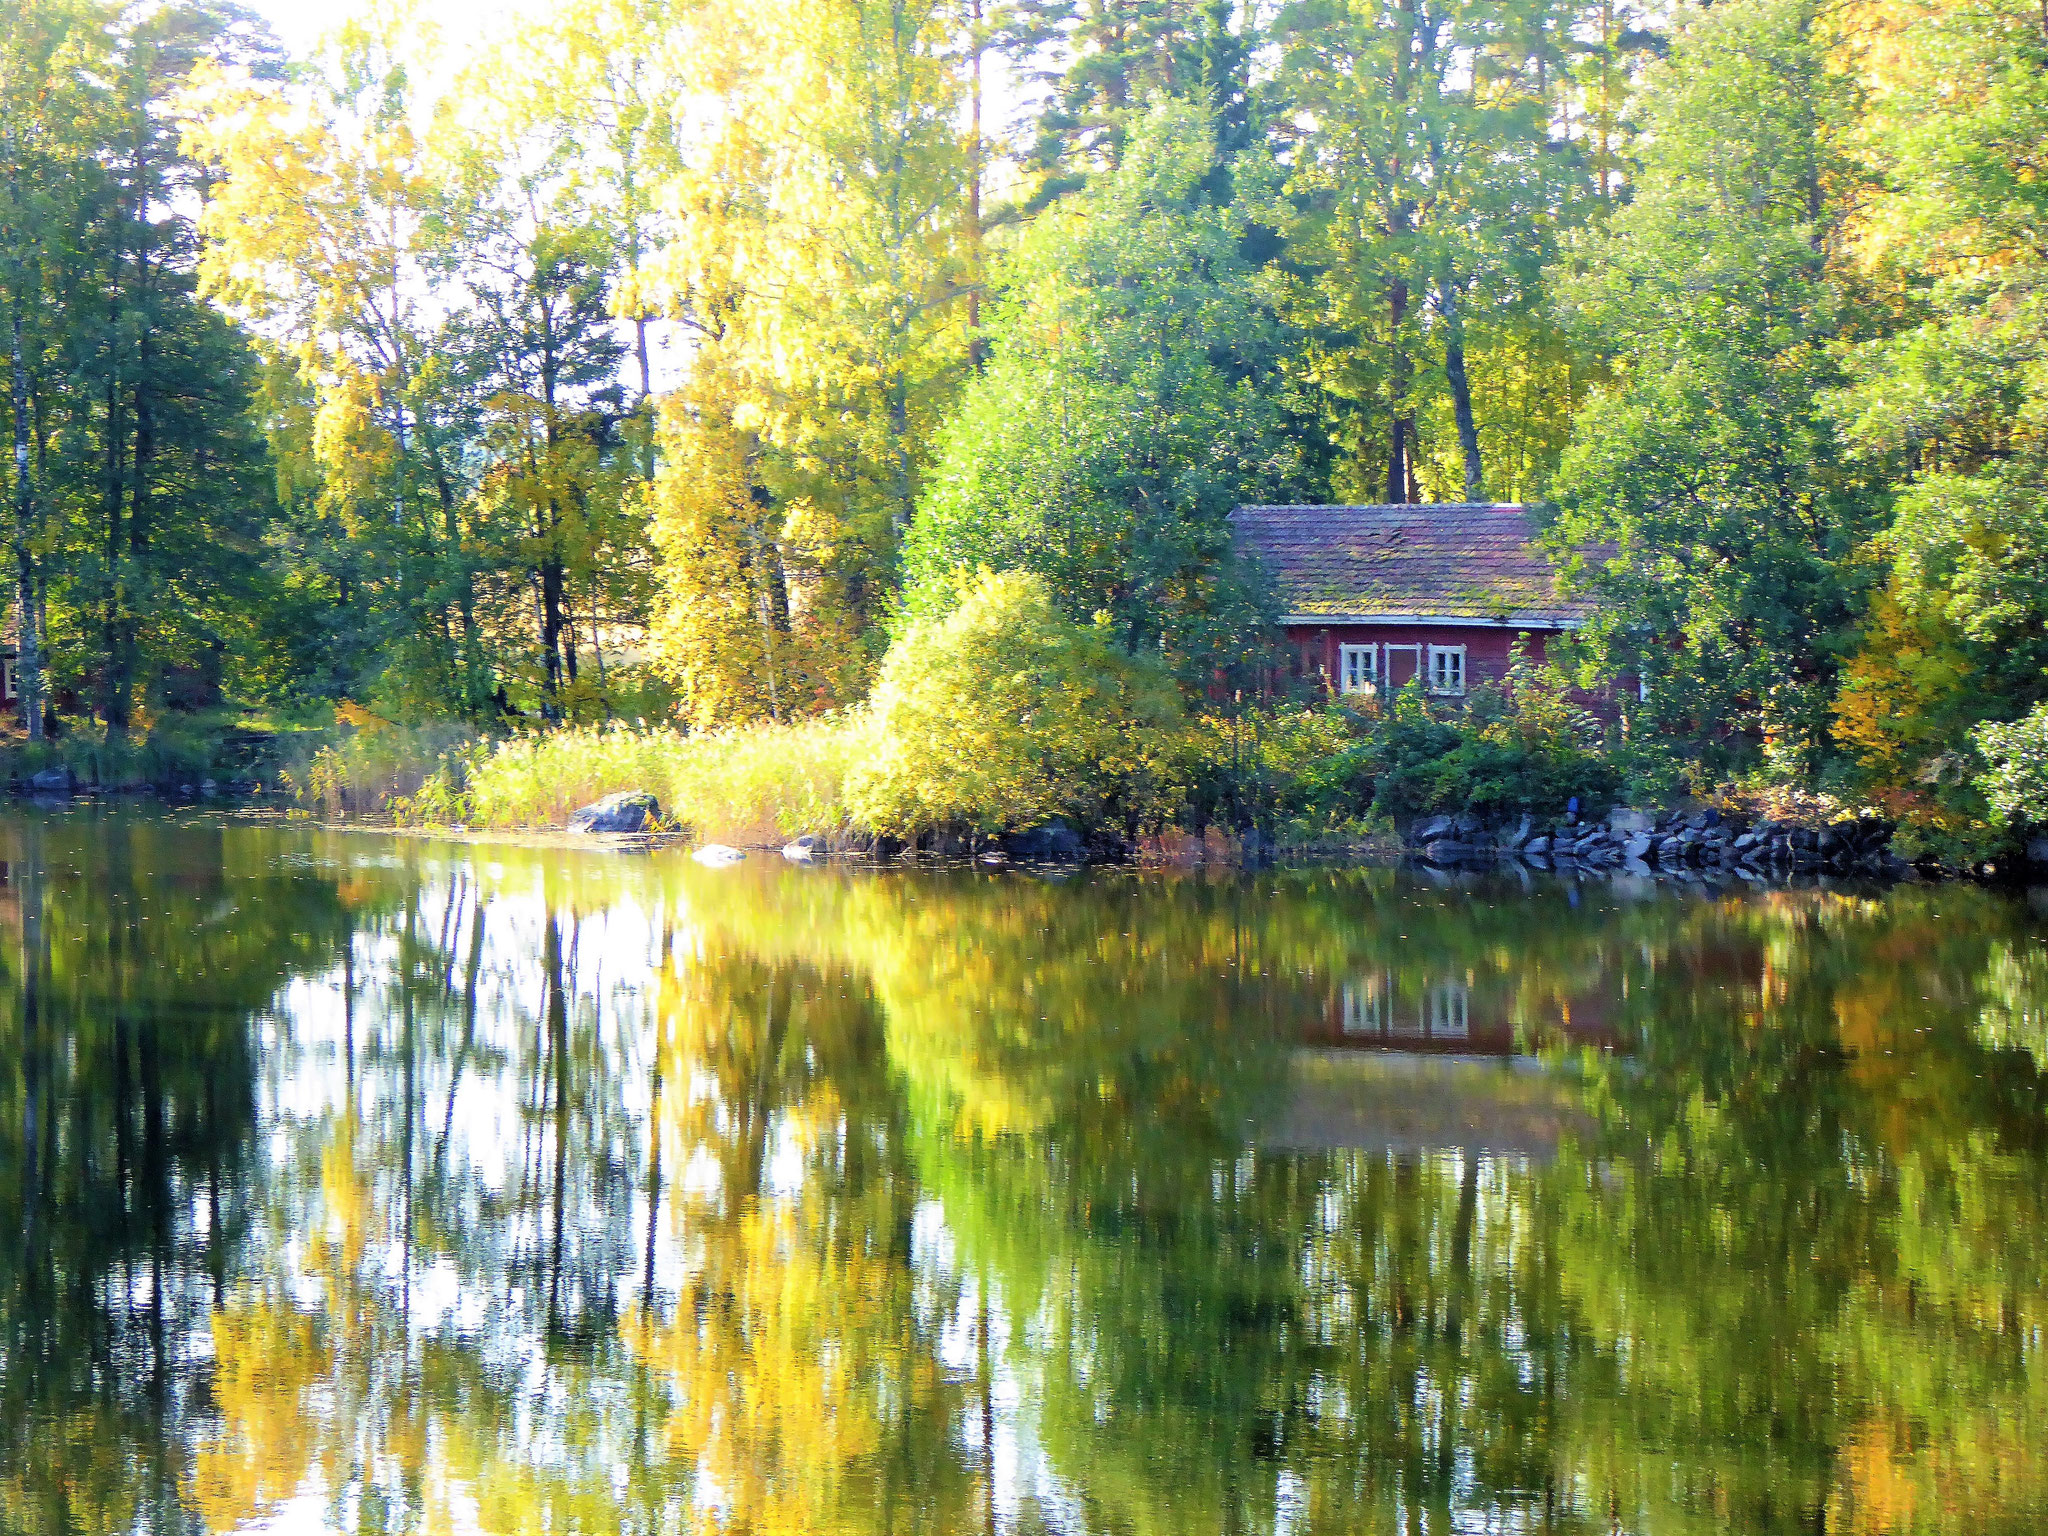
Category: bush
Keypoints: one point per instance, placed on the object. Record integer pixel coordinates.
(1522, 746)
(1005, 714)
(1252, 767)
(2015, 776)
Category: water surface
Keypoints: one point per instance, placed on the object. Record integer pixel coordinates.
(358, 1184)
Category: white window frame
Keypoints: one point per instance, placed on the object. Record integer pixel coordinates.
(1445, 660)
(1362, 1012)
(1450, 1011)
(10, 679)
(1358, 668)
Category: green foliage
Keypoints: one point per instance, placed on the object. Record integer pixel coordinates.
(2015, 779)
(1708, 478)
(1522, 747)
(1006, 714)
(1954, 399)
(1132, 398)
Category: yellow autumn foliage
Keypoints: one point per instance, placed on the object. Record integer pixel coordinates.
(1900, 690)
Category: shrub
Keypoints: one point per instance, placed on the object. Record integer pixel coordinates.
(1006, 714)
(1522, 746)
(2015, 776)
(1254, 767)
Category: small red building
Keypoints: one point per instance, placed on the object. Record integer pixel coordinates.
(1374, 596)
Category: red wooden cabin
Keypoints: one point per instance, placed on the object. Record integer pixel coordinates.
(1375, 596)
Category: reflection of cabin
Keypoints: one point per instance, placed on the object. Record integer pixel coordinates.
(1452, 1016)
(1413, 1062)
(1406, 1102)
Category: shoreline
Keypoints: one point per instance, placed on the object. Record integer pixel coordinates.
(1173, 852)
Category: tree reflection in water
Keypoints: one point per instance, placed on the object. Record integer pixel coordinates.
(373, 1185)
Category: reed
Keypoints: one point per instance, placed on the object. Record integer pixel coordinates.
(755, 786)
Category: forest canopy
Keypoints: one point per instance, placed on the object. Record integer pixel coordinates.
(671, 359)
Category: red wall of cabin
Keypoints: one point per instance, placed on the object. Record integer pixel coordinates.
(1489, 651)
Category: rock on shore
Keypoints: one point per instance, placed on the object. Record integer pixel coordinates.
(1701, 840)
(630, 810)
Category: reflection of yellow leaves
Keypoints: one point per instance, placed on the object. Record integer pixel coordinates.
(73, 1478)
(787, 1339)
(1881, 1491)
(268, 1355)
(767, 1355)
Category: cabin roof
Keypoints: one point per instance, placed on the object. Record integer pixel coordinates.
(1473, 561)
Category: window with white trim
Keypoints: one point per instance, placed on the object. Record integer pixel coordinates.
(1362, 1007)
(1450, 1016)
(10, 680)
(1358, 669)
(1447, 669)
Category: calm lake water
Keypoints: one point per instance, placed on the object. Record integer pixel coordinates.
(359, 1184)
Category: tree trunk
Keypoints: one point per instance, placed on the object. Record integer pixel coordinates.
(1401, 445)
(1461, 391)
(126, 661)
(28, 653)
(551, 584)
(110, 552)
(977, 345)
(474, 694)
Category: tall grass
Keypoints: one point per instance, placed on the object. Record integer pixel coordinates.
(751, 787)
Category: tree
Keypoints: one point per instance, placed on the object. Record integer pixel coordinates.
(1134, 395)
(1100, 63)
(820, 248)
(135, 461)
(753, 620)
(46, 99)
(324, 224)
(1951, 404)
(1707, 479)
(1423, 200)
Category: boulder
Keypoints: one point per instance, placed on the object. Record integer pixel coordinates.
(1638, 846)
(1538, 846)
(1053, 843)
(630, 810)
(1432, 830)
(1630, 823)
(2037, 852)
(1519, 833)
(717, 855)
(1467, 826)
(805, 850)
(51, 781)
